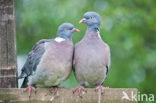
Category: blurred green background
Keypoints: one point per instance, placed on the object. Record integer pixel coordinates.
(128, 26)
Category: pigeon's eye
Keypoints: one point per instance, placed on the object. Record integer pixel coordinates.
(70, 28)
(87, 17)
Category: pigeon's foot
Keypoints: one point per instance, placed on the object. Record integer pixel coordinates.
(101, 87)
(79, 88)
(54, 88)
(30, 88)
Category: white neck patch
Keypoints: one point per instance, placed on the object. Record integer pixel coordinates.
(99, 34)
(59, 39)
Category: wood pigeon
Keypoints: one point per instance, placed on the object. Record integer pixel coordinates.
(50, 61)
(92, 55)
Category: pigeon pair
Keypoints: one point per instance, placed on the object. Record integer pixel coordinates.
(50, 61)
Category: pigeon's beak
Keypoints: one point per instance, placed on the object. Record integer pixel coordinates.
(82, 21)
(76, 30)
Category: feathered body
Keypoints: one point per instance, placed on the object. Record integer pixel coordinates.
(50, 61)
(53, 69)
(91, 59)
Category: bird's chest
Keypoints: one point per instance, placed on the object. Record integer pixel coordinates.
(90, 49)
(57, 58)
(55, 65)
(58, 54)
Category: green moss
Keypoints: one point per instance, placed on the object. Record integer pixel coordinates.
(4, 97)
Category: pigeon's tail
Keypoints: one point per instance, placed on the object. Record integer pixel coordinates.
(25, 82)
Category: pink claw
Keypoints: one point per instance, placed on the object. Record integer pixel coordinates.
(101, 87)
(79, 88)
(30, 87)
(54, 88)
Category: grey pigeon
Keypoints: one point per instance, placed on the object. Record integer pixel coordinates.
(50, 61)
(92, 55)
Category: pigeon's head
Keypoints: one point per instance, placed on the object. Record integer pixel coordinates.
(92, 19)
(66, 30)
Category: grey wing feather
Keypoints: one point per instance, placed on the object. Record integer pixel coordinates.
(108, 66)
(33, 58)
(73, 61)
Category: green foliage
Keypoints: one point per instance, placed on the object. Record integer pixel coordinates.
(128, 26)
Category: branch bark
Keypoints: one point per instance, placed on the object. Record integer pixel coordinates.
(65, 95)
(8, 62)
